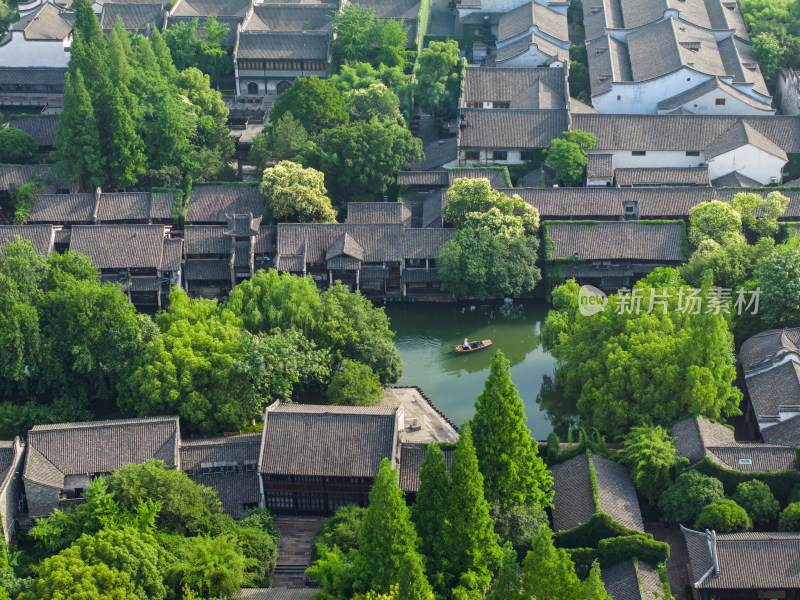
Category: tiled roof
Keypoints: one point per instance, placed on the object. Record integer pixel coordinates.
(774, 389)
(666, 176)
(343, 246)
(290, 17)
(378, 212)
(521, 19)
(265, 242)
(245, 225)
(736, 180)
(327, 441)
(276, 594)
(744, 561)
(411, 458)
(511, 128)
(681, 132)
(608, 62)
(437, 154)
(47, 23)
(600, 165)
(54, 451)
(203, 8)
(425, 243)
(41, 128)
(420, 275)
(136, 17)
(208, 270)
(713, 84)
(785, 433)
(212, 203)
(616, 493)
(535, 88)
(380, 242)
(206, 239)
(432, 209)
(6, 458)
(762, 349)
(40, 236)
(21, 174)
(134, 206)
(632, 581)
(63, 208)
(754, 457)
(119, 246)
(32, 75)
(741, 134)
(693, 435)
(173, 254)
(431, 178)
(572, 500)
(274, 45)
(632, 240)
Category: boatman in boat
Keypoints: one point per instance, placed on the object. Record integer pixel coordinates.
(466, 344)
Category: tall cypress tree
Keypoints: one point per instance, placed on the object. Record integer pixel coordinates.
(472, 545)
(386, 536)
(163, 56)
(429, 511)
(513, 471)
(124, 148)
(508, 585)
(77, 146)
(119, 54)
(413, 584)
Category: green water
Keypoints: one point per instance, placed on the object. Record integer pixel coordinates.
(426, 334)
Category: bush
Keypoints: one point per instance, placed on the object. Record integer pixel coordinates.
(790, 518)
(355, 385)
(757, 499)
(517, 524)
(16, 146)
(341, 529)
(684, 500)
(589, 534)
(794, 496)
(724, 516)
(619, 549)
(553, 448)
(781, 483)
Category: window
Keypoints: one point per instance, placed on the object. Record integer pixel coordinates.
(499, 155)
(526, 155)
(473, 155)
(745, 461)
(692, 153)
(619, 97)
(474, 104)
(502, 105)
(720, 101)
(252, 88)
(639, 153)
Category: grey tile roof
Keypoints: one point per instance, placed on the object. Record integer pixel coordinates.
(572, 500)
(535, 88)
(624, 240)
(345, 245)
(774, 389)
(134, 206)
(785, 433)
(609, 61)
(494, 176)
(206, 239)
(513, 49)
(208, 270)
(741, 134)
(266, 240)
(202, 8)
(54, 451)
(63, 208)
(394, 9)
(6, 458)
(599, 15)
(420, 275)
(41, 237)
(522, 18)
(735, 180)
(328, 441)
(290, 17)
(665, 176)
(276, 594)
(600, 165)
(756, 457)
(212, 203)
(511, 128)
(42, 128)
(378, 212)
(617, 494)
(245, 225)
(47, 23)
(762, 349)
(745, 561)
(32, 75)
(430, 178)
(681, 132)
(411, 458)
(21, 174)
(136, 17)
(276, 45)
(712, 84)
(173, 254)
(425, 243)
(381, 243)
(432, 209)
(119, 246)
(437, 154)
(693, 435)
(632, 581)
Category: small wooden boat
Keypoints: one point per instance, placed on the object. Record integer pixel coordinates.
(472, 346)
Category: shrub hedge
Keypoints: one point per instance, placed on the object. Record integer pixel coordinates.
(612, 551)
(781, 483)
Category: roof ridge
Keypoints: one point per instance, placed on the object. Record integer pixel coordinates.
(110, 422)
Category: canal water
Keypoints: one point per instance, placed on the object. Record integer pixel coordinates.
(426, 334)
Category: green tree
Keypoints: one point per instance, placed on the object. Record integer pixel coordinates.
(731, 265)
(362, 159)
(315, 103)
(206, 50)
(715, 220)
(760, 214)
(360, 37)
(354, 385)
(624, 367)
(478, 263)
(723, 516)
(473, 552)
(790, 518)
(283, 140)
(508, 585)
(66, 575)
(125, 151)
(468, 197)
(413, 584)
(77, 146)
(428, 514)
(756, 498)
(359, 76)
(438, 74)
(16, 146)
(778, 277)
(692, 491)
(567, 156)
(767, 50)
(650, 454)
(376, 101)
(294, 194)
(386, 536)
(210, 567)
(8, 15)
(508, 457)
(341, 530)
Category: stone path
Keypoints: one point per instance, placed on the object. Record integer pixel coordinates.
(294, 550)
(677, 571)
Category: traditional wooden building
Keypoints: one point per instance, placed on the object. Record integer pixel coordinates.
(41, 237)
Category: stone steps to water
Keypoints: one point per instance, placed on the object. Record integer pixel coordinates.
(294, 550)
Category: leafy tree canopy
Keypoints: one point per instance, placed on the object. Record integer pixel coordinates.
(756, 498)
(363, 38)
(438, 74)
(283, 140)
(315, 103)
(723, 516)
(355, 384)
(692, 491)
(776, 275)
(294, 194)
(16, 146)
(650, 454)
(467, 196)
(205, 49)
(567, 156)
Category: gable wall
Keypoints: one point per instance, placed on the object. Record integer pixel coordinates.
(19, 52)
(749, 161)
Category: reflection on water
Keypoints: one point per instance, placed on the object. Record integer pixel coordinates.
(427, 333)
